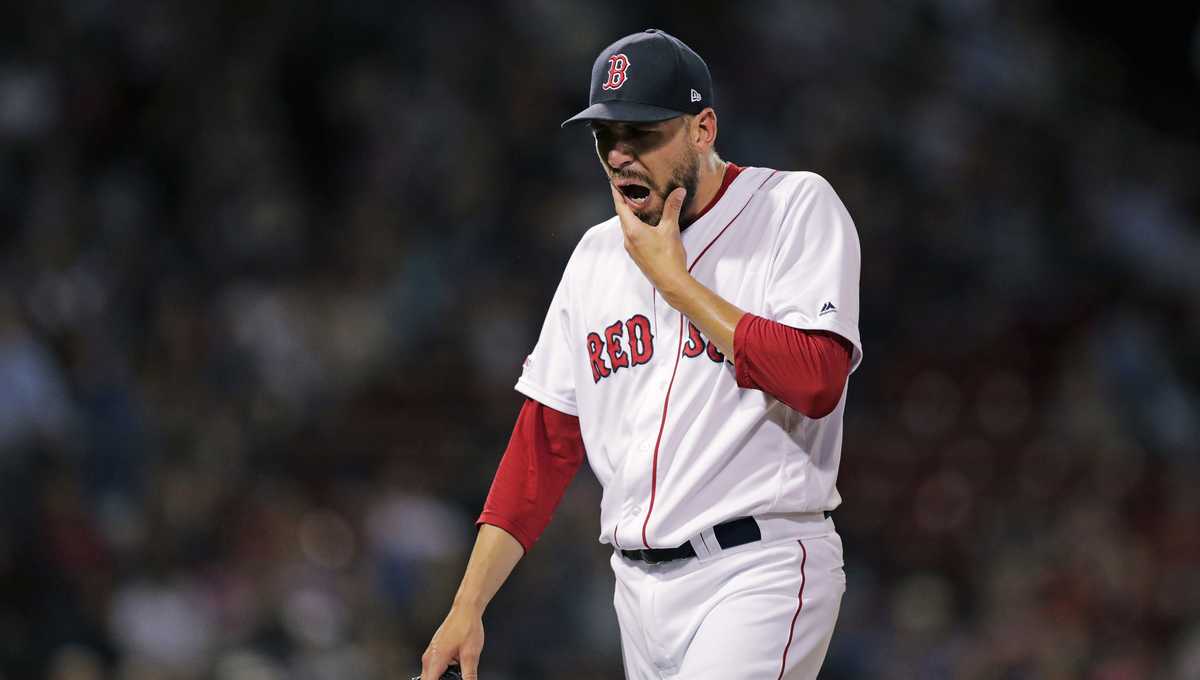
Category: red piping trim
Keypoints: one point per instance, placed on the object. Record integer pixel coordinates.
(661, 426)
(799, 606)
(654, 304)
(739, 214)
(678, 352)
(731, 172)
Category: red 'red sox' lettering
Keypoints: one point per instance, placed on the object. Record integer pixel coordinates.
(629, 344)
(595, 350)
(612, 335)
(635, 351)
(696, 344)
(641, 340)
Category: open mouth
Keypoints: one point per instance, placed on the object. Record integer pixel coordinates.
(637, 194)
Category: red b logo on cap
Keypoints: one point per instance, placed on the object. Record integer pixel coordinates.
(617, 65)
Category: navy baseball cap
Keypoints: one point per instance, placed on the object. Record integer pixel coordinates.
(644, 77)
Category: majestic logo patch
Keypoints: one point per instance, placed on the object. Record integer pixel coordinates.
(695, 96)
(618, 64)
(827, 308)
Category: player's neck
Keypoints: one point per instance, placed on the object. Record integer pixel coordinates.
(712, 178)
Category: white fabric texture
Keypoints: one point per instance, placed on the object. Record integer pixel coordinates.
(676, 444)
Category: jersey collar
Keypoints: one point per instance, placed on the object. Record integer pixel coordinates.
(731, 173)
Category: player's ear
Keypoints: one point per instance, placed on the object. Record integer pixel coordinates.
(704, 128)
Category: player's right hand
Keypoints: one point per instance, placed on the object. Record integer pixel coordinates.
(459, 638)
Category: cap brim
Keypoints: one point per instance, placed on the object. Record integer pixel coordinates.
(622, 112)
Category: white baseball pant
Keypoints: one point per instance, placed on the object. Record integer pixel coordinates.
(753, 612)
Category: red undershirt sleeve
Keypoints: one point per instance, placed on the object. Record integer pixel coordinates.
(543, 454)
(806, 370)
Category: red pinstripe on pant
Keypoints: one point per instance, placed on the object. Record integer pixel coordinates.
(799, 606)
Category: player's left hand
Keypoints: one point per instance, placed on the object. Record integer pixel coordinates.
(657, 251)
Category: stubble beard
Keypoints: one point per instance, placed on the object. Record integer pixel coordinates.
(687, 175)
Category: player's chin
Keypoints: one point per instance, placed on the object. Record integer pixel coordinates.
(650, 217)
(650, 213)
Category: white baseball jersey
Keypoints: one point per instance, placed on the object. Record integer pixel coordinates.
(676, 444)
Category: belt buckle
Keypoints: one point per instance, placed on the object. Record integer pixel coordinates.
(649, 558)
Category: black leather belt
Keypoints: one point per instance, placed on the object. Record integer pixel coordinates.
(729, 534)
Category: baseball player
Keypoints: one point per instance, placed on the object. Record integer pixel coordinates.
(696, 352)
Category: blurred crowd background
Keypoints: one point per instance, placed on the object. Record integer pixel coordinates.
(269, 270)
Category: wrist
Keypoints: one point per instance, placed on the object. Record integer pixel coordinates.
(471, 605)
(675, 288)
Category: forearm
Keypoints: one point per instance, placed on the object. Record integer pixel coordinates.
(716, 317)
(806, 370)
(460, 637)
(492, 560)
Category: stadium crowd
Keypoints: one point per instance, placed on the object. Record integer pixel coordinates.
(268, 271)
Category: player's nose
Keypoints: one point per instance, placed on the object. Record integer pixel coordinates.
(619, 156)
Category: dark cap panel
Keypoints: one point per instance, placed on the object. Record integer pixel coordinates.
(647, 76)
